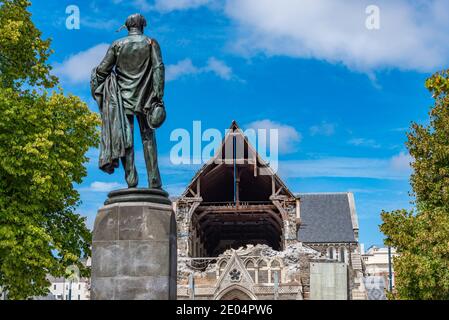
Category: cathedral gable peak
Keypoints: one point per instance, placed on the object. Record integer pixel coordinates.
(237, 165)
(235, 273)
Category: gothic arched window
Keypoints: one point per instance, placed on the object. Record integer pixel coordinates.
(222, 266)
(343, 255)
(250, 267)
(263, 271)
(275, 268)
(332, 253)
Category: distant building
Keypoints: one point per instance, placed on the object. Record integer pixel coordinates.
(376, 264)
(63, 289)
(75, 288)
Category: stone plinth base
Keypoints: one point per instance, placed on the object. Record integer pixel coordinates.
(138, 195)
(134, 250)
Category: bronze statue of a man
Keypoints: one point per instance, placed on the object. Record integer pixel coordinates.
(130, 82)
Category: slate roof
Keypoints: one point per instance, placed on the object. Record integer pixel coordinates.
(327, 217)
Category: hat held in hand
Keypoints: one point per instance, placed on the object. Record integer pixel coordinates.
(157, 115)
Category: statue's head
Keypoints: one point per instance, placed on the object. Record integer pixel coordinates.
(136, 21)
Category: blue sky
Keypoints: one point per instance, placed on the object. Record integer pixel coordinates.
(341, 95)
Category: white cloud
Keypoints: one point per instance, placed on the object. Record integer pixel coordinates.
(322, 129)
(182, 68)
(78, 67)
(186, 67)
(345, 167)
(402, 162)
(219, 68)
(363, 142)
(413, 34)
(288, 136)
(98, 186)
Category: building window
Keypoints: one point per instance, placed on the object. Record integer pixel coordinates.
(222, 267)
(263, 272)
(79, 297)
(79, 286)
(251, 269)
(54, 287)
(332, 253)
(235, 275)
(275, 268)
(343, 255)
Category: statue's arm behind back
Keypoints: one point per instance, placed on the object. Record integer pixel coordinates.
(100, 73)
(106, 66)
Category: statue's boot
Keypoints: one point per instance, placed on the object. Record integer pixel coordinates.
(131, 176)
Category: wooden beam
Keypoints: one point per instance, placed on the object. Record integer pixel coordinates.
(192, 209)
(229, 221)
(250, 233)
(281, 209)
(193, 193)
(279, 191)
(211, 225)
(241, 208)
(214, 170)
(255, 165)
(232, 215)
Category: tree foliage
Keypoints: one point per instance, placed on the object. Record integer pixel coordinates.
(44, 136)
(23, 54)
(422, 236)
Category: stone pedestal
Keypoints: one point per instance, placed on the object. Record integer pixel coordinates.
(134, 247)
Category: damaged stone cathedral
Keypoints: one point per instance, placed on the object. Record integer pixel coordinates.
(243, 235)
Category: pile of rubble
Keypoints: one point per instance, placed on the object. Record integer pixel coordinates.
(291, 258)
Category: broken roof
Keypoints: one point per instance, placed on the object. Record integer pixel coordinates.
(216, 176)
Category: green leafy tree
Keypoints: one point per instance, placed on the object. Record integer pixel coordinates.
(44, 136)
(422, 236)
